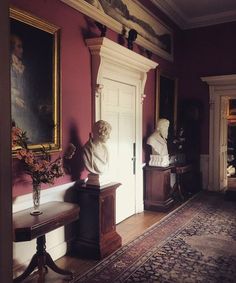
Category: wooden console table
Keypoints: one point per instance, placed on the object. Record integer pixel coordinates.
(27, 227)
(97, 236)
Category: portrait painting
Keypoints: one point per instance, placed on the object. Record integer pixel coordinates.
(35, 93)
(120, 15)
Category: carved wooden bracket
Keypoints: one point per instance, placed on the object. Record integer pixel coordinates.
(98, 89)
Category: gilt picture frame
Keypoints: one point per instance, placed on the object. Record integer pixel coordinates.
(232, 109)
(35, 79)
(166, 100)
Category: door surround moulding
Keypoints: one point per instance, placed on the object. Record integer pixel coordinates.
(114, 61)
(105, 51)
(219, 86)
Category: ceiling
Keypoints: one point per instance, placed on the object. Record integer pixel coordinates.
(198, 13)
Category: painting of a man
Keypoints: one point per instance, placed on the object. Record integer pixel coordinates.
(33, 93)
(22, 115)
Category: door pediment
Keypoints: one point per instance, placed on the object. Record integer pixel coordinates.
(109, 54)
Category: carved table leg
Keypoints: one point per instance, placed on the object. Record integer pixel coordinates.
(176, 191)
(179, 187)
(40, 260)
(55, 268)
(33, 264)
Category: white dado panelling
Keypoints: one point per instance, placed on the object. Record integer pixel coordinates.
(204, 168)
(53, 194)
(55, 241)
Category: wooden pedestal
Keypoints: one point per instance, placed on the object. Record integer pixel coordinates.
(97, 236)
(230, 192)
(157, 188)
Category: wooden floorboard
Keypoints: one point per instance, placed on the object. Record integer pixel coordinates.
(128, 229)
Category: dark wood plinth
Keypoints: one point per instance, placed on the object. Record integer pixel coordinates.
(97, 236)
(27, 227)
(157, 188)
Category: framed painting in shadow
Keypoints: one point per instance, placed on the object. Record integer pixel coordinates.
(166, 100)
(35, 92)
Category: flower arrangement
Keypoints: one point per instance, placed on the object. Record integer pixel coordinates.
(179, 140)
(39, 167)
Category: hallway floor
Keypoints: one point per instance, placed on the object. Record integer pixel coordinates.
(128, 229)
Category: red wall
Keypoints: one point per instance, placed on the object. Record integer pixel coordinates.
(208, 51)
(76, 80)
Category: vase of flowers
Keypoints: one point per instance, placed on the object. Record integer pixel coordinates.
(179, 142)
(36, 199)
(39, 167)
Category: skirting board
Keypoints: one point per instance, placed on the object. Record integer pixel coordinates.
(53, 194)
(204, 168)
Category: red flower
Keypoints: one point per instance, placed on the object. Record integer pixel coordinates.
(40, 168)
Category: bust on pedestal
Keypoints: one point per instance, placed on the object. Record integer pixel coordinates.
(158, 142)
(96, 155)
(97, 236)
(157, 174)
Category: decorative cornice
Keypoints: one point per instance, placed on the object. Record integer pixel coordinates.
(220, 80)
(183, 21)
(212, 19)
(172, 11)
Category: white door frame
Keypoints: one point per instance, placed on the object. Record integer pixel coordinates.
(111, 60)
(219, 86)
(224, 107)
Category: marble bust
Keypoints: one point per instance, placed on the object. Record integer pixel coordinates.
(95, 152)
(158, 142)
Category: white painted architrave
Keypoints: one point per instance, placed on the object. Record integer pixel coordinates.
(219, 86)
(111, 60)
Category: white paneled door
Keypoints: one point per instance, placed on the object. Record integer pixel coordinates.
(118, 108)
(118, 81)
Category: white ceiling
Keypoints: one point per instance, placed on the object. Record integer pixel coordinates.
(198, 13)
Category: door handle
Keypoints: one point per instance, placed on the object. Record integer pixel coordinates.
(134, 158)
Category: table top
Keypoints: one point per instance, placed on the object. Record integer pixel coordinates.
(159, 168)
(55, 214)
(179, 168)
(99, 188)
(182, 168)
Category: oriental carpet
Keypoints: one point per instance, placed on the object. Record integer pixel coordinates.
(194, 243)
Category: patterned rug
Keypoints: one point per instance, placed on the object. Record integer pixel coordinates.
(195, 243)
